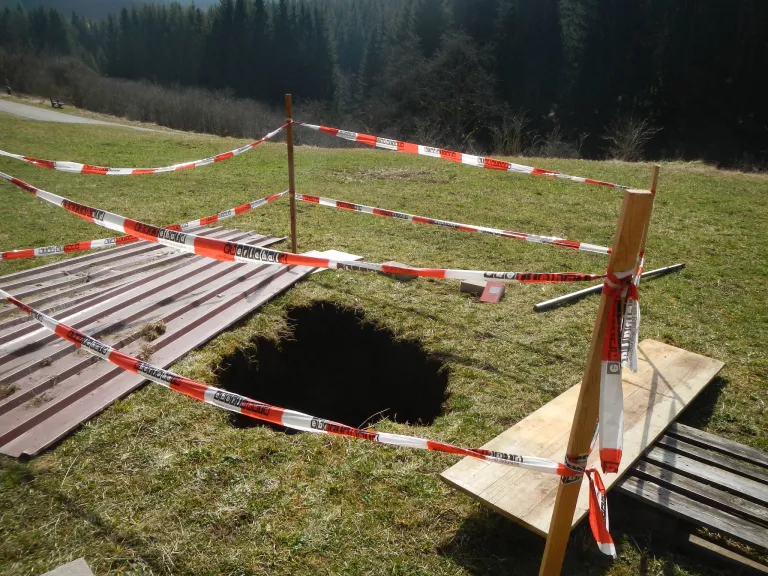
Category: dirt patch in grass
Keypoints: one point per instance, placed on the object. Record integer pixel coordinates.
(337, 365)
(391, 174)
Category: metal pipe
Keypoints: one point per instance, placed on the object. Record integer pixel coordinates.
(573, 296)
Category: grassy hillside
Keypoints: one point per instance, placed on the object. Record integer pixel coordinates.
(160, 484)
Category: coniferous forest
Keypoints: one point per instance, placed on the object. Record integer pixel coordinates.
(591, 78)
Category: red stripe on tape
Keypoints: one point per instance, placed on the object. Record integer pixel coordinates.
(494, 164)
(213, 248)
(99, 170)
(18, 254)
(610, 458)
(366, 139)
(246, 207)
(225, 156)
(77, 247)
(332, 131)
(42, 163)
(125, 240)
(450, 155)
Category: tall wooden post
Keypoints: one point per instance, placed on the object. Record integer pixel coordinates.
(632, 225)
(291, 176)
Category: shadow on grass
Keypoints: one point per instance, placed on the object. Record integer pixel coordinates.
(339, 366)
(700, 411)
(488, 543)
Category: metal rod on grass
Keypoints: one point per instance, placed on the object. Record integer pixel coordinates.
(573, 296)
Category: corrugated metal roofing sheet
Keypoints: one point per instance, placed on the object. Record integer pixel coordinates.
(47, 389)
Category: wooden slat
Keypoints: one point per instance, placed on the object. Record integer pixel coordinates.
(668, 379)
(723, 479)
(714, 459)
(697, 490)
(710, 441)
(695, 512)
(742, 562)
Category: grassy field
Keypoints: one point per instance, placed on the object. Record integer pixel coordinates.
(159, 484)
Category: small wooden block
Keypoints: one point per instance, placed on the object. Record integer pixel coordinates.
(710, 548)
(493, 292)
(398, 277)
(667, 381)
(474, 287)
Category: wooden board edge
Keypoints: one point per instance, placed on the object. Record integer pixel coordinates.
(493, 507)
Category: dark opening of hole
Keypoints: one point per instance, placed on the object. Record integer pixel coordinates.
(338, 366)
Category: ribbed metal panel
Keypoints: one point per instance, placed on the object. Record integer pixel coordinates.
(47, 388)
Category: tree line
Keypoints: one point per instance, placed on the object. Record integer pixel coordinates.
(593, 78)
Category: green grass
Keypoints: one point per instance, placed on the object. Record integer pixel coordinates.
(161, 484)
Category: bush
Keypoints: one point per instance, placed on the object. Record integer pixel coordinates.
(628, 136)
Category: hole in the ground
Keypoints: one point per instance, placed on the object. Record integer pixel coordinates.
(338, 366)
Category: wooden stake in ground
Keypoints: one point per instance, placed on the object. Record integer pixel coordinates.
(291, 176)
(632, 225)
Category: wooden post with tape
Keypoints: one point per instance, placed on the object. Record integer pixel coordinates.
(291, 175)
(630, 231)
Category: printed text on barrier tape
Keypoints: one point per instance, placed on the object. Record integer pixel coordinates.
(616, 287)
(123, 240)
(234, 252)
(549, 240)
(458, 157)
(77, 168)
(306, 423)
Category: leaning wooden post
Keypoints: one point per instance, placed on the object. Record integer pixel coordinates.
(291, 176)
(633, 220)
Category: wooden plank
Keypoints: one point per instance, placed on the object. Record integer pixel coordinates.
(724, 479)
(668, 379)
(693, 488)
(742, 562)
(712, 442)
(714, 459)
(695, 512)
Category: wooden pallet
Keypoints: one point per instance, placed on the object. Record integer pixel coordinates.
(706, 480)
(48, 388)
(668, 379)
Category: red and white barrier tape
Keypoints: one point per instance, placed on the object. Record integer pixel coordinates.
(617, 286)
(123, 240)
(549, 240)
(77, 168)
(460, 158)
(306, 423)
(234, 252)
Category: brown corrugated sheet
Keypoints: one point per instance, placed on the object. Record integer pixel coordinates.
(47, 388)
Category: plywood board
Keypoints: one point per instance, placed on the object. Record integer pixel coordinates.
(667, 380)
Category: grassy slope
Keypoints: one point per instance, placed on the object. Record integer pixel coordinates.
(160, 484)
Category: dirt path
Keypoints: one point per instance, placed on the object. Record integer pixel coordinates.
(43, 115)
